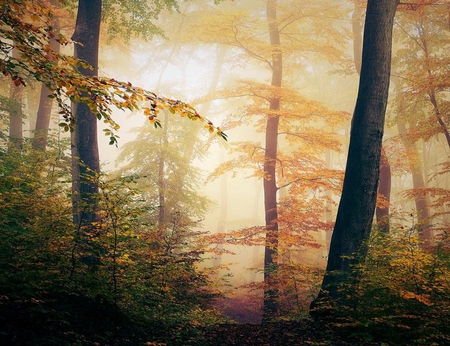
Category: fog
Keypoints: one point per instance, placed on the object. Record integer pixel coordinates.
(184, 66)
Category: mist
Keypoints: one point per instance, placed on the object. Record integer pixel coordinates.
(227, 211)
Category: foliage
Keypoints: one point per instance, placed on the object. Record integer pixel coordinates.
(25, 28)
(123, 281)
(35, 221)
(402, 297)
(421, 67)
(127, 20)
(176, 180)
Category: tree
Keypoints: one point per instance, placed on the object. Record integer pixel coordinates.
(295, 130)
(85, 154)
(357, 205)
(15, 113)
(384, 188)
(87, 33)
(421, 79)
(422, 65)
(167, 183)
(415, 167)
(270, 158)
(44, 112)
(24, 28)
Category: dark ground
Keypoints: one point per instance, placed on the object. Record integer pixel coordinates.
(305, 332)
(85, 322)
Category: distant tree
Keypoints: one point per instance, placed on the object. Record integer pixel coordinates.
(382, 210)
(289, 161)
(270, 160)
(421, 66)
(421, 80)
(418, 179)
(44, 112)
(358, 201)
(16, 113)
(167, 182)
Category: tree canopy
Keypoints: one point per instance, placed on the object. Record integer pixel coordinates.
(25, 28)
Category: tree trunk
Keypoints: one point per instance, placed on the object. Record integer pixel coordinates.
(384, 189)
(420, 199)
(15, 113)
(163, 147)
(86, 157)
(222, 219)
(357, 30)
(43, 120)
(384, 194)
(270, 184)
(44, 112)
(357, 205)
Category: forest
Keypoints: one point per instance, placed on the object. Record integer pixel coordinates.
(224, 172)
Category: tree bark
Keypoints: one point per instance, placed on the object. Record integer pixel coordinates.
(357, 205)
(270, 184)
(85, 146)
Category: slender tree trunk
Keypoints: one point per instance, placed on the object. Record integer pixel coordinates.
(44, 112)
(221, 221)
(357, 28)
(270, 183)
(384, 194)
(329, 213)
(162, 173)
(357, 205)
(420, 199)
(16, 114)
(43, 120)
(85, 146)
(438, 115)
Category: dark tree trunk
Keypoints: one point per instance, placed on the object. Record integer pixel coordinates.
(85, 145)
(357, 205)
(270, 183)
(384, 189)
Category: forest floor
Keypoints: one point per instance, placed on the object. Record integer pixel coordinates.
(304, 332)
(89, 323)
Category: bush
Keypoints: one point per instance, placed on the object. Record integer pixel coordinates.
(403, 296)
